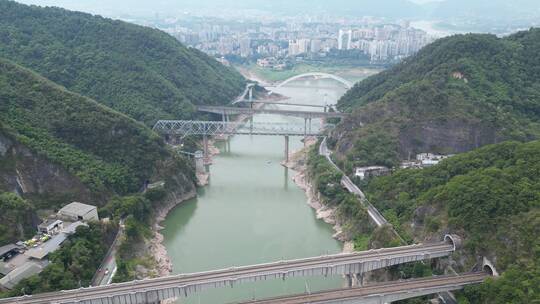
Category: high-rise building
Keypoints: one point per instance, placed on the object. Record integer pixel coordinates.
(293, 48)
(303, 45)
(315, 46)
(344, 39)
(245, 47)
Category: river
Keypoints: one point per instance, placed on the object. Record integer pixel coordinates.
(252, 212)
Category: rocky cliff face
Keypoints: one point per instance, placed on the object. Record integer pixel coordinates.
(32, 176)
(413, 135)
(50, 185)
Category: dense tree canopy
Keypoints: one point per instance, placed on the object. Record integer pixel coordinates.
(106, 150)
(136, 70)
(457, 94)
(491, 197)
(16, 218)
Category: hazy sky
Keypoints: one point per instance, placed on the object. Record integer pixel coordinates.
(506, 9)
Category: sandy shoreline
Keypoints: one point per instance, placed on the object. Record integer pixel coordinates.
(297, 163)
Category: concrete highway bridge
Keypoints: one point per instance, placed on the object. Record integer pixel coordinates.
(158, 289)
(227, 111)
(282, 103)
(382, 293)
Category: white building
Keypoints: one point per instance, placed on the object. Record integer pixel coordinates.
(79, 212)
(342, 43)
(245, 47)
(430, 159)
(51, 226)
(294, 48)
(424, 160)
(371, 171)
(315, 46)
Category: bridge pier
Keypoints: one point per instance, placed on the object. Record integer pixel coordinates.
(360, 279)
(205, 151)
(349, 279)
(286, 148)
(199, 162)
(305, 131)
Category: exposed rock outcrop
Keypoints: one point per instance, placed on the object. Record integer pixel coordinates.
(33, 176)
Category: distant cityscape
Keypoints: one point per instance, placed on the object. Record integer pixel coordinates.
(274, 44)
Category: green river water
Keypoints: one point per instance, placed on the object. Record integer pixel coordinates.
(252, 212)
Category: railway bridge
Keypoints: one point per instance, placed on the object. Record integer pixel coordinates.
(183, 128)
(382, 293)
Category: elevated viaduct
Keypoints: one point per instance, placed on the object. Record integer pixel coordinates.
(158, 289)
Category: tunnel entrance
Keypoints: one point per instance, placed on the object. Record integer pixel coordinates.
(454, 240)
(488, 269)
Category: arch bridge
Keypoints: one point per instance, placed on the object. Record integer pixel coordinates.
(343, 81)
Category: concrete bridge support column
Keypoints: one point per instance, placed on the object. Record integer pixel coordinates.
(310, 125)
(349, 278)
(305, 131)
(199, 162)
(205, 151)
(287, 148)
(359, 279)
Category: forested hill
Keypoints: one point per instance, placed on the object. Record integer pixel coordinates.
(456, 94)
(490, 197)
(139, 71)
(58, 146)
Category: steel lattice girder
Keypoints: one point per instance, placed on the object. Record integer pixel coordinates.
(190, 127)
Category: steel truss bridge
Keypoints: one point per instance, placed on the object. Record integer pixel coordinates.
(183, 128)
(211, 128)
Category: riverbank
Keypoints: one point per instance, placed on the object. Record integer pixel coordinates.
(298, 163)
(156, 248)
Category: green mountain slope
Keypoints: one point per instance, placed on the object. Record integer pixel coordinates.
(455, 95)
(490, 197)
(56, 142)
(139, 71)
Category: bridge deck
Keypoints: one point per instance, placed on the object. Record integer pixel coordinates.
(180, 285)
(249, 111)
(210, 128)
(283, 103)
(412, 288)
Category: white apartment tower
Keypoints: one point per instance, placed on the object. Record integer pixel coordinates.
(341, 39)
